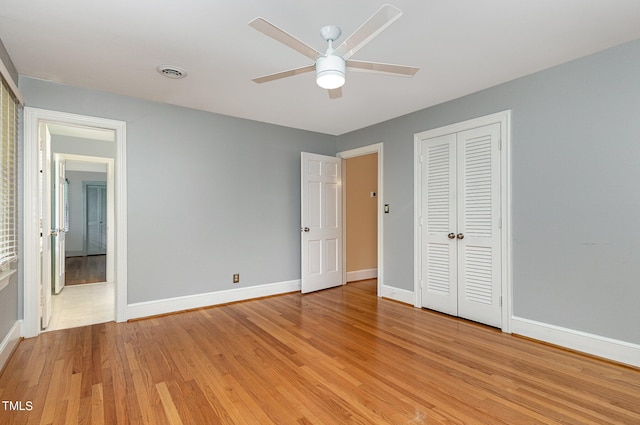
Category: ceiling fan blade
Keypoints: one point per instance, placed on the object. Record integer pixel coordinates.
(284, 74)
(380, 20)
(382, 68)
(335, 93)
(284, 37)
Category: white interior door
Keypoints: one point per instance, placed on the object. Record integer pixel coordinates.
(461, 228)
(58, 222)
(96, 218)
(45, 226)
(321, 222)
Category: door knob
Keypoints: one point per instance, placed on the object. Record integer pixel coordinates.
(460, 236)
(305, 229)
(451, 235)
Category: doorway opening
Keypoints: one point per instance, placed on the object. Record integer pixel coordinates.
(55, 143)
(363, 205)
(87, 238)
(361, 217)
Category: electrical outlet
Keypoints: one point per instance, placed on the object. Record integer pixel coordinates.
(236, 278)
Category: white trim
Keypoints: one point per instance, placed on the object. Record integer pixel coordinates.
(608, 348)
(397, 294)
(9, 343)
(504, 118)
(362, 275)
(352, 153)
(172, 305)
(32, 118)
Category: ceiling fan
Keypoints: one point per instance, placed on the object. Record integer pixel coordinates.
(330, 66)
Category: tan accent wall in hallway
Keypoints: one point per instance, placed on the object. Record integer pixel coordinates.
(361, 212)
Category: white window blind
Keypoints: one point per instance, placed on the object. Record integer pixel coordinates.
(8, 178)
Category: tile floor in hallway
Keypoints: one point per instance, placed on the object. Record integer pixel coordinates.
(81, 305)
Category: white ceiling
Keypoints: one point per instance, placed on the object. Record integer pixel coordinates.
(461, 46)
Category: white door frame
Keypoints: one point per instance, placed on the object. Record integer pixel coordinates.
(32, 118)
(504, 118)
(352, 153)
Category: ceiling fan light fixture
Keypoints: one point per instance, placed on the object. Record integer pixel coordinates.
(330, 72)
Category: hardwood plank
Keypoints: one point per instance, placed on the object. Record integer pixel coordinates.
(169, 407)
(97, 405)
(337, 356)
(73, 406)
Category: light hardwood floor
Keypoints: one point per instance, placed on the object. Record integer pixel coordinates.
(340, 356)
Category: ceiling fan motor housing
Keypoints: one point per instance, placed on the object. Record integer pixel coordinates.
(330, 71)
(330, 32)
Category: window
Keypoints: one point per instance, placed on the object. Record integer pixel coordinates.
(8, 178)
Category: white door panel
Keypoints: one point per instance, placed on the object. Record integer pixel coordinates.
(321, 222)
(96, 218)
(58, 223)
(439, 254)
(45, 227)
(479, 211)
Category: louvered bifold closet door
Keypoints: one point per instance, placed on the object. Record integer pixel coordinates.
(479, 269)
(438, 211)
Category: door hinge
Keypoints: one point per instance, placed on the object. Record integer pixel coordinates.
(500, 300)
(500, 223)
(499, 144)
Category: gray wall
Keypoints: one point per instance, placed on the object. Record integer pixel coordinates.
(575, 162)
(208, 195)
(9, 306)
(74, 239)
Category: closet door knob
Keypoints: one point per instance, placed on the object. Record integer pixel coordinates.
(451, 235)
(460, 236)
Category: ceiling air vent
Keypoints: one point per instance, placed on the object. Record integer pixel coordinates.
(171, 71)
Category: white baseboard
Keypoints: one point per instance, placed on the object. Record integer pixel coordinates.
(608, 348)
(396, 294)
(9, 343)
(172, 305)
(362, 275)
